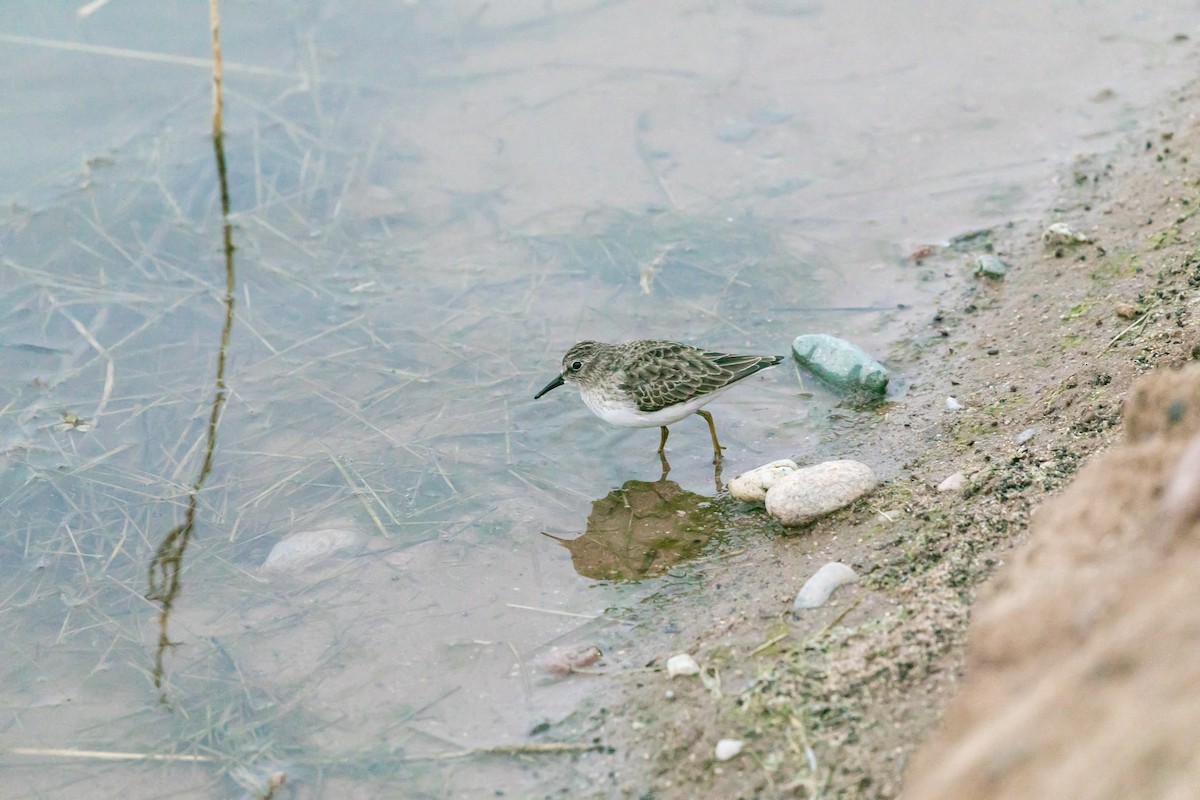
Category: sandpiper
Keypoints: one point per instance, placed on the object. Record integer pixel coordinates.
(652, 382)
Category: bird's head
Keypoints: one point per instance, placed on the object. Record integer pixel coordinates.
(578, 365)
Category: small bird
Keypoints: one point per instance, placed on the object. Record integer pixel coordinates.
(652, 382)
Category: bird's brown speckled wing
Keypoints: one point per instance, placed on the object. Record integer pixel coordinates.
(665, 373)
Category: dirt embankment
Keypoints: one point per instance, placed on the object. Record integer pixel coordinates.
(1083, 669)
(1084, 644)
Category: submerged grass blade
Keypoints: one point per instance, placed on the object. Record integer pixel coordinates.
(106, 755)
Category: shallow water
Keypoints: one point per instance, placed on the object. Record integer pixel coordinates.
(430, 204)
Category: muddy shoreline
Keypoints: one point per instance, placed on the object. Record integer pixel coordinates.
(835, 704)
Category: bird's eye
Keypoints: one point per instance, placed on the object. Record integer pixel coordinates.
(576, 366)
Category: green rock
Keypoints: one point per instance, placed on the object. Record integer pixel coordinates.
(841, 364)
(991, 267)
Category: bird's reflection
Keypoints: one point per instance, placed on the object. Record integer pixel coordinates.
(641, 530)
(718, 487)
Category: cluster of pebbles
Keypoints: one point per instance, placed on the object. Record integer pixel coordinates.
(797, 495)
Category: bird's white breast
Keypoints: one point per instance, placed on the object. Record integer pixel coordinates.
(620, 411)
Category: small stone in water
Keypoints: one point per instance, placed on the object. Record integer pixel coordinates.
(736, 132)
(305, 548)
(820, 586)
(752, 486)
(769, 116)
(728, 748)
(682, 664)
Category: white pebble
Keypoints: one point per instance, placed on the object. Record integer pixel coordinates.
(1025, 435)
(953, 404)
(728, 748)
(752, 486)
(806, 494)
(954, 483)
(682, 664)
(305, 548)
(1061, 233)
(820, 586)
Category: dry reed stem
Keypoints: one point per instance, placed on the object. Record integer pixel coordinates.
(526, 688)
(1135, 324)
(358, 494)
(555, 611)
(833, 622)
(379, 500)
(106, 755)
(214, 21)
(110, 368)
(140, 55)
(774, 640)
(90, 8)
(546, 748)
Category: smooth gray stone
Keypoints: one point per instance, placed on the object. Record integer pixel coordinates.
(820, 586)
(799, 497)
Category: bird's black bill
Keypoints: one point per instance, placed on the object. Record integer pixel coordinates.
(554, 384)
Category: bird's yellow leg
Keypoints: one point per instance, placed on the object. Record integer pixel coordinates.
(713, 430)
(662, 442)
